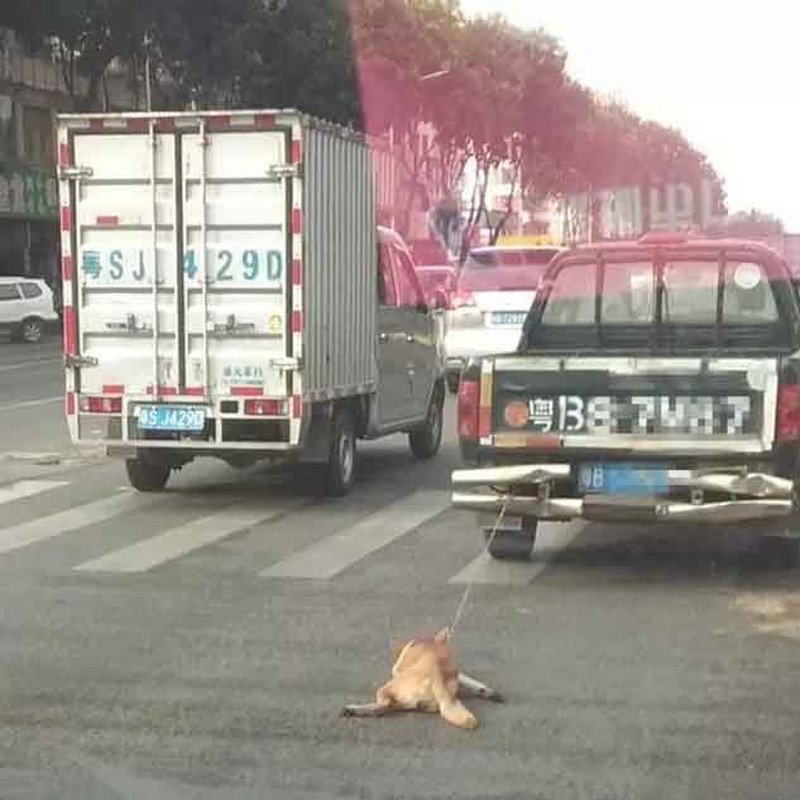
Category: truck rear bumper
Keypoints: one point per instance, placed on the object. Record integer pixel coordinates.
(534, 491)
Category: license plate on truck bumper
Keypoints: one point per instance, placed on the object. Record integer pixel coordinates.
(171, 418)
(628, 479)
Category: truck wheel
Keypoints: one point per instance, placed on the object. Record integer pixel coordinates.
(146, 475)
(426, 439)
(340, 468)
(510, 544)
(781, 550)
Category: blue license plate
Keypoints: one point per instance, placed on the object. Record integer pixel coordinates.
(509, 317)
(172, 418)
(630, 479)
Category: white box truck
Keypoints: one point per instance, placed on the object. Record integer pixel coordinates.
(228, 293)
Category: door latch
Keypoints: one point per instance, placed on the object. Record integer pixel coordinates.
(285, 171)
(74, 173)
(78, 362)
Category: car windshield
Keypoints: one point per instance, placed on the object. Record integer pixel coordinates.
(503, 270)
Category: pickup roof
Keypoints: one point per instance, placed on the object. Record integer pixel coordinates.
(654, 381)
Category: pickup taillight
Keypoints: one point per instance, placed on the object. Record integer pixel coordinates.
(468, 406)
(787, 424)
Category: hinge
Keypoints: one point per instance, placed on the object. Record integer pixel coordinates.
(74, 173)
(285, 171)
(78, 362)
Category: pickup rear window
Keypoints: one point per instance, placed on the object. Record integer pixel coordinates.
(666, 303)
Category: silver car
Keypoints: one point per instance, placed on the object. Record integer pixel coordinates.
(493, 292)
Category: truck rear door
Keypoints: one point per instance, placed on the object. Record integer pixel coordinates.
(181, 235)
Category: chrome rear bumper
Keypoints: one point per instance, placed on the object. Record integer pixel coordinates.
(752, 496)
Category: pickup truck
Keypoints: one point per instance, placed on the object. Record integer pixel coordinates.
(655, 381)
(228, 293)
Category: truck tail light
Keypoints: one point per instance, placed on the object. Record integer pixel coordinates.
(100, 405)
(468, 407)
(264, 408)
(787, 424)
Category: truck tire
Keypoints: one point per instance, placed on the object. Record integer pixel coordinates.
(510, 544)
(783, 551)
(425, 440)
(339, 471)
(147, 475)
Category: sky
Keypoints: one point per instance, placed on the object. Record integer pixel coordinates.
(728, 78)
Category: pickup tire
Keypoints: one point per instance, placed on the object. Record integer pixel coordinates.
(783, 551)
(426, 439)
(339, 470)
(509, 544)
(147, 475)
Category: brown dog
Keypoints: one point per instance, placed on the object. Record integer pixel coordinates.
(425, 678)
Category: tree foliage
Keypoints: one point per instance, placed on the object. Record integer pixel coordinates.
(489, 92)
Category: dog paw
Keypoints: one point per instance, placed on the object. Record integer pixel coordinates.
(346, 712)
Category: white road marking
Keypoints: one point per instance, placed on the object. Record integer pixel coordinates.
(28, 364)
(336, 553)
(38, 530)
(179, 541)
(42, 401)
(550, 540)
(22, 489)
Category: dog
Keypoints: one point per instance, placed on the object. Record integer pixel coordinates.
(425, 678)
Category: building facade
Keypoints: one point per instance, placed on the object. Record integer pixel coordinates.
(32, 92)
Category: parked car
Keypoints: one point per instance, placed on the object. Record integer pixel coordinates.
(491, 298)
(26, 308)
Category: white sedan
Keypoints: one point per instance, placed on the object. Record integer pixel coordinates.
(493, 293)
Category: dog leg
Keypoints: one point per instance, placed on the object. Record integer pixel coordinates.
(367, 710)
(384, 704)
(470, 687)
(451, 708)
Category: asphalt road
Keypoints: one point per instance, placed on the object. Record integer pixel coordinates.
(199, 644)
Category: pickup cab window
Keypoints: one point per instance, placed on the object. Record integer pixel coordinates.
(662, 303)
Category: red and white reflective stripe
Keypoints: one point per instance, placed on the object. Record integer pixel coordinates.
(113, 388)
(245, 391)
(161, 390)
(70, 338)
(194, 391)
(296, 155)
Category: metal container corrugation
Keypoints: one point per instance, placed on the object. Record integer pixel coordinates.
(339, 262)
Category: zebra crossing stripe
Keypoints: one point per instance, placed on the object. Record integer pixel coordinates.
(179, 541)
(43, 528)
(336, 553)
(23, 489)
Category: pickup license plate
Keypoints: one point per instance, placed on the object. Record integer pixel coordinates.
(630, 479)
(508, 317)
(172, 418)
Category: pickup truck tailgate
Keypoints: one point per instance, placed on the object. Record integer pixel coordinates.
(663, 405)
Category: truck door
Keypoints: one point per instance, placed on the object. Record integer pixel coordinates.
(419, 337)
(393, 382)
(182, 244)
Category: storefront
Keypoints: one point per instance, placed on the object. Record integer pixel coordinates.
(29, 240)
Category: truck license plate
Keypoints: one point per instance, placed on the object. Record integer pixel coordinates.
(172, 418)
(630, 479)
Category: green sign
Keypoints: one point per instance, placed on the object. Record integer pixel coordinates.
(28, 193)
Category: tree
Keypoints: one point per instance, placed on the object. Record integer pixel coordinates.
(748, 224)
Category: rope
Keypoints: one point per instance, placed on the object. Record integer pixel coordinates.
(471, 582)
